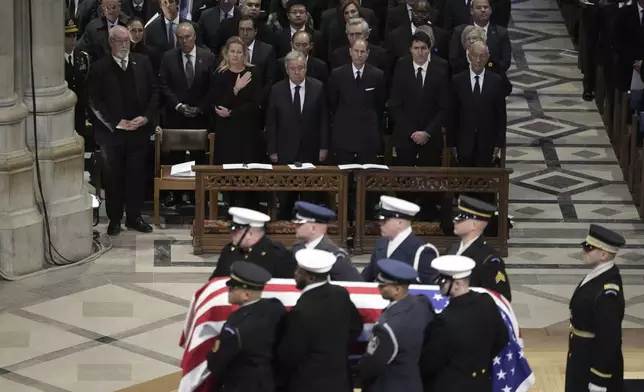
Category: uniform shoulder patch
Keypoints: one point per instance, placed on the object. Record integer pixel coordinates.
(611, 286)
(500, 277)
(342, 253)
(492, 259)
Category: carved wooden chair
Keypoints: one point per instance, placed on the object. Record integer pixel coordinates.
(167, 140)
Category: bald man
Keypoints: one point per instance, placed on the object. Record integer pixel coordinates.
(124, 97)
(479, 117)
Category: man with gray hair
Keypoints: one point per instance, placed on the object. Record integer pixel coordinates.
(358, 28)
(124, 97)
(296, 121)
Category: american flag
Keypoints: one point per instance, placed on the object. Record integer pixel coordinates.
(209, 310)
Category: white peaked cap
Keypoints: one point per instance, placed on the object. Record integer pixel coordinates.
(248, 217)
(456, 267)
(315, 260)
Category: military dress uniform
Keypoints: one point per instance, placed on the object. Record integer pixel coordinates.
(343, 269)
(241, 359)
(391, 360)
(464, 338)
(77, 65)
(406, 247)
(596, 314)
(489, 272)
(273, 256)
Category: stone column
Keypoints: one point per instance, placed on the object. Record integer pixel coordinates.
(21, 235)
(60, 149)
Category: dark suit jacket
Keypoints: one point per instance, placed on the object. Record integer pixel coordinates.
(156, 35)
(356, 109)
(399, 41)
(397, 17)
(629, 44)
(414, 109)
(498, 43)
(282, 43)
(199, 7)
(315, 68)
(105, 97)
(477, 121)
(294, 136)
(319, 329)
(377, 57)
(229, 28)
(148, 10)
(175, 89)
(264, 59)
(333, 28)
(455, 14)
(343, 269)
(209, 26)
(405, 252)
(94, 40)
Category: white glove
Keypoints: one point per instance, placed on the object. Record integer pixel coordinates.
(594, 388)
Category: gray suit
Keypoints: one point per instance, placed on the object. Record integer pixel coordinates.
(343, 270)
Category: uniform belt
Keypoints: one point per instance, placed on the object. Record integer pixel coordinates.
(580, 333)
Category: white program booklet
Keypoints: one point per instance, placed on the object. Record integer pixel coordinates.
(183, 169)
(239, 166)
(352, 166)
(303, 166)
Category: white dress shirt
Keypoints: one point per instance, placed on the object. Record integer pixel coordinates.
(175, 23)
(314, 286)
(600, 269)
(293, 31)
(356, 70)
(69, 57)
(463, 247)
(314, 243)
(112, 24)
(302, 95)
(119, 61)
(473, 79)
(222, 14)
(193, 57)
(251, 47)
(485, 28)
(423, 69)
(395, 243)
(408, 11)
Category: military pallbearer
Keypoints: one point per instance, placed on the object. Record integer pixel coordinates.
(595, 361)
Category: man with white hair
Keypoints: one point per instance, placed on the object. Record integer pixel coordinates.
(358, 28)
(399, 242)
(124, 97)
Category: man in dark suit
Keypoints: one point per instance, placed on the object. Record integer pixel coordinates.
(251, 243)
(160, 33)
(456, 13)
(94, 40)
(184, 79)
(260, 54)
(315, 68)
(470, 221)
(318, 331)
(399, 242)
(142, 9)
(298, 18)
(297, 125)
(192, 9)
(313, 222)
(357, 99)
(497, 40)
(419, 105)
(399, 39)
(629, 44)
(124, 97)
(76, 72)
(332, 27)
(358, 28)
(479, 115)
(230, 27)
(212, 20)
(400, 15)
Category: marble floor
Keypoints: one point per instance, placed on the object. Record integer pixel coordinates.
(116, 322)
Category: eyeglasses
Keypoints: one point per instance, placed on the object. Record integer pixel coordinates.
(587, 248)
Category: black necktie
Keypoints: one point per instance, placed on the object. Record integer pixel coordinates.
(357, 77)
(138, 8)
(190, 70)
(477, 86)
(297, 103)
(419, 77)
(171, 34)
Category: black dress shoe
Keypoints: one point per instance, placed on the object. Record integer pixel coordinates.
(588, 96)
(139, 225)
(113, 228)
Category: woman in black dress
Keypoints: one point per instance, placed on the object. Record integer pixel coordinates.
(135, 26)
(236, 90)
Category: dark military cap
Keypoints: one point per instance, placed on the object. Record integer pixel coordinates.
(471, 208)
(70, 28)
(602, 238)
(396, 272)
(312, 213)
(248, 276)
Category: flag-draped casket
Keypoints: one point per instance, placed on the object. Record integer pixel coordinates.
(209, 310)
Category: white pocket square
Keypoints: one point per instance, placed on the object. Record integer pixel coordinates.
(203, 7)
(369, 89)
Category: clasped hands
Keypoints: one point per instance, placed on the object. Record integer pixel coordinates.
(132, 125)
(188, 111)
(420, 137)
